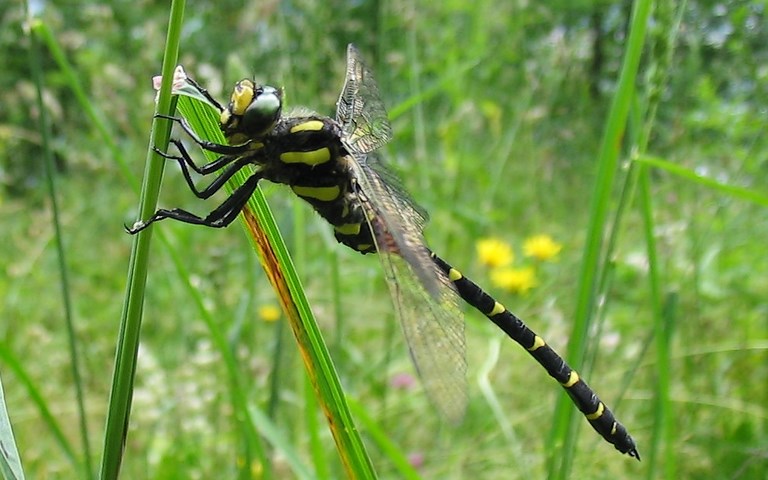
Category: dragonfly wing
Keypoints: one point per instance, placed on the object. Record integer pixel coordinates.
(426, 301)
(434, 331)
(360, 110)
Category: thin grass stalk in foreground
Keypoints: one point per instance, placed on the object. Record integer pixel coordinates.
(50, 176)
(278, 266)
(121, 394)
(96, 117)
(562, 439)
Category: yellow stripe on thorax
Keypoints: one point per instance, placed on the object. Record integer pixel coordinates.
(310, 126)
(325, 194)
(348, 228)
(313, 157)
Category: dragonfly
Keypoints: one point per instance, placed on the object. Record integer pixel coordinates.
(334, 165)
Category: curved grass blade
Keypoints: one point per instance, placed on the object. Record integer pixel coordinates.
(741, 193)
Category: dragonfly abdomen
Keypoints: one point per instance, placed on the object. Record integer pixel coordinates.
(599, 416)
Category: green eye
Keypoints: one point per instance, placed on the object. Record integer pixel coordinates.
(263, 112)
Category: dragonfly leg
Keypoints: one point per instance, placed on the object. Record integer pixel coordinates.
(205, 144)
(222, 216)
(184, 160)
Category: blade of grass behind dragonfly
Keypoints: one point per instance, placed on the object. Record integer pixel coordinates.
(279, 268)
(562, 437)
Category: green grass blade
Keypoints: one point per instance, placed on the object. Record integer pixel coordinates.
(662, 406)
(118, 412)
(275, 437)
(384, 443)
(317, 449)
(36, 395)
(10, 461)
(740, 193)
(50, 175)
(73, 81)
(278, 266)
(562, 437)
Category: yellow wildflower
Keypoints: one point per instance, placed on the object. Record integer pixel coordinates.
(269, 313)
(541, 247)
(494, 252)
(516, 280)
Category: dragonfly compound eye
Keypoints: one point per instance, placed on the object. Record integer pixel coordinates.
(263, 111)
(252, 111)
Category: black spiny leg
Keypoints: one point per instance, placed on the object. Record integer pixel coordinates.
(205, 93)
(205, 144)
(184, 160)
(205, 169)
(222, 216)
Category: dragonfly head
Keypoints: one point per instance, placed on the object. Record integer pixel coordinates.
(253, 110)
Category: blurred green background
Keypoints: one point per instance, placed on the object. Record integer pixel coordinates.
(498, 108)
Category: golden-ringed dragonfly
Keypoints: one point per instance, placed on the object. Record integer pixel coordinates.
(333, 165)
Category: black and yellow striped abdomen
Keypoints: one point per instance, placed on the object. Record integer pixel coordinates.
(306, 154)
(598, 415)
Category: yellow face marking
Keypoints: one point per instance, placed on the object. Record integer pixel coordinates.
(325, 194)
(573, 378)
(312, 126)
(314, 157)
(454, 275)
(539, 342)
(242, 97)
(497, 309)
(348, 228)
(598, 413)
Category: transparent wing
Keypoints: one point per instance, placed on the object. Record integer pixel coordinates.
(359, 110)
(426, 302)
(391, 183)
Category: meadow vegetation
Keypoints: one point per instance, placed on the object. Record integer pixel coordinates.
(499, 110)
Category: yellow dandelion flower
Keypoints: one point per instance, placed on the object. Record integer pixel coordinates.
(493, 252)
(515, 280)
(269, 313)
(541, 247)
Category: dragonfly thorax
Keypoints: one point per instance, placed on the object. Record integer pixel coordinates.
(253, 111)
